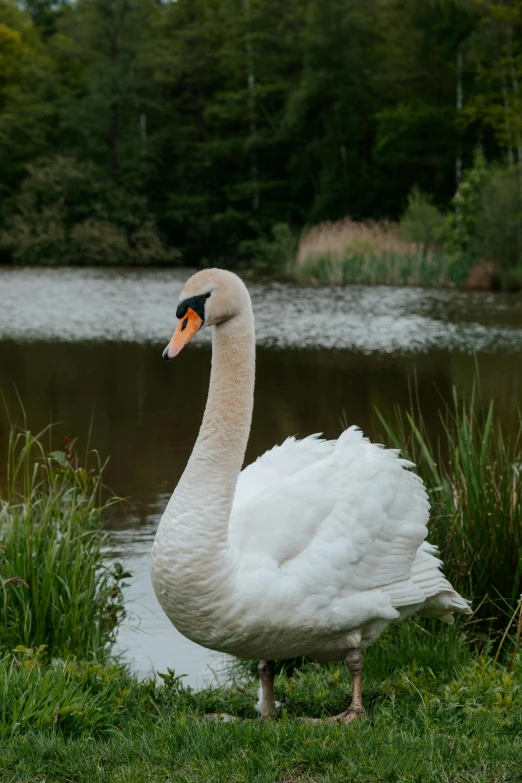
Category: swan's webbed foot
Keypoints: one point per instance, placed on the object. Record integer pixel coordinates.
(349, 715)
(221, 717)
(268, 703)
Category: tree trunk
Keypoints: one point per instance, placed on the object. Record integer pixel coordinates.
(516, 104)
(113, 141)
(251, 82)
(458, 162)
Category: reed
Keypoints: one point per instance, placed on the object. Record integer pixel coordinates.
(347, 252)
(56, 587)
(472, 472)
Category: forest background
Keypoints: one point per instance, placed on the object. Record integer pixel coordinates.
(215, 131)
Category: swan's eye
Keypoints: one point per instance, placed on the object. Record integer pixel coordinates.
(184, 324)
(207, 295)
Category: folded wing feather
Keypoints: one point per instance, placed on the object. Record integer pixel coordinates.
(346, 515)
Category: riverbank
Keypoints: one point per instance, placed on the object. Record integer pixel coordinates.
(318, 258)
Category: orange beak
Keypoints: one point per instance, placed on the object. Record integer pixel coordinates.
(185, 331)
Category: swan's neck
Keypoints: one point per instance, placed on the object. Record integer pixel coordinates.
(209, 481)
(191, 561)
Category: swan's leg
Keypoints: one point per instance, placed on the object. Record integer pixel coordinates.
(266, 671)
(354, 662)
(355, 710)
(266, 675)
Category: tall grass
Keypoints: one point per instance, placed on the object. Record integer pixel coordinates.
(346, 252)
(473, 475)
(56, 588)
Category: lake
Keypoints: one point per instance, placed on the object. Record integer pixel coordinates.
(83, 348)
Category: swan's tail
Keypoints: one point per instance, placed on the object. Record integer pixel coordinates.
(441, 598)
(428, 590)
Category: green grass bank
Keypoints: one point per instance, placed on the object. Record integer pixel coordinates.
(435, 713)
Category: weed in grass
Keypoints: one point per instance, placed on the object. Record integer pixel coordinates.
(56, 588)
(61, 695)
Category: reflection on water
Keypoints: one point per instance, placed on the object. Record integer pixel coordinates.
(80, 345)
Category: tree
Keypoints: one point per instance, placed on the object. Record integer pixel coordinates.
(496, 48)
(224, 179)
(27, 95)
(331, 112)
(419, 135)
(229, 119)
(103, 115)
(45, 14)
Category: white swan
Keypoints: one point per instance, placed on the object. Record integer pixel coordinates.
(313, 549)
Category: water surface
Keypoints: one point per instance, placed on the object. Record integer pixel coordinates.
(84, 346)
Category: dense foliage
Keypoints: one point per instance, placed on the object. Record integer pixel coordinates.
(131, 127)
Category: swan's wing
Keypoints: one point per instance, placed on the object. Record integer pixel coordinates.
(346, 516)
(274, 467)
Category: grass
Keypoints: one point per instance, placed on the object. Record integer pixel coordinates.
(472, 473)
(346, 252)
(56, 589)
(434, 713)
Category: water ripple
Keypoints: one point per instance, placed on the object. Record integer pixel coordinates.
(139, 306)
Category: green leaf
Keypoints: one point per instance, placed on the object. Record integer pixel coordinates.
(60, 457)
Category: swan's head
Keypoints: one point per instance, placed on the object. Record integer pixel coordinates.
(208, 298)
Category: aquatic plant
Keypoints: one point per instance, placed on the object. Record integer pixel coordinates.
(56, 587)
(347, 252)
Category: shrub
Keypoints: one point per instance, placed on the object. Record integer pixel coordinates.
(64, 213)
(497, 236)
(466, 202)
(483, 276)
(56, 588)
(487, 221)
(273, 253)
(95, 242)
(422, 223)
(36, 236)
(511, 280)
